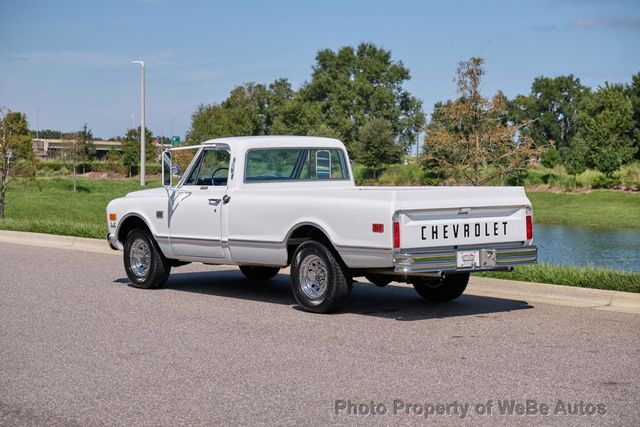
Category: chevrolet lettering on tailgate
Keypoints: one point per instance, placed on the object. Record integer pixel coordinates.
(444, 231)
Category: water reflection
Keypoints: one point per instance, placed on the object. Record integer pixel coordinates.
(560, 244)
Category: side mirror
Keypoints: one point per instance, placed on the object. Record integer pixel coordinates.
(167, 169)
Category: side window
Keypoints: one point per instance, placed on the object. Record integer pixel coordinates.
(212, 168)
(328, 164)
(284, 164)
(323, 164)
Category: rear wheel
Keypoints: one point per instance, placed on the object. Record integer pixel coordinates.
(145, 265)
(258, 273)
(321, 282)
(441, 290)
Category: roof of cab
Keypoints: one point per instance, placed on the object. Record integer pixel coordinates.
(274, 141)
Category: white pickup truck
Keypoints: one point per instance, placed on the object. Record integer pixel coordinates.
(265, 203)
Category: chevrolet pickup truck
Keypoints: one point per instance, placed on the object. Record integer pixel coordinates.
(265, 203)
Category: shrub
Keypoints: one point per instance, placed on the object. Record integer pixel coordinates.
(630, 176)
(550, 157)
(154, 168)
(603, 181)
(361, 173)
(535, 177)
(409, 174)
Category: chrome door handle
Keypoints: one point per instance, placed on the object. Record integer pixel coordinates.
(214, 202)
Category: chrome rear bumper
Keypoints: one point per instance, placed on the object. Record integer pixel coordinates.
(445, 260)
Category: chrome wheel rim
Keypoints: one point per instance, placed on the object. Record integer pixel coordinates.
(313, 277)
(140, 258)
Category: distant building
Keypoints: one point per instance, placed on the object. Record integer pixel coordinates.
(55, 148)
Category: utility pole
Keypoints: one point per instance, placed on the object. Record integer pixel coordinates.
(142, 128)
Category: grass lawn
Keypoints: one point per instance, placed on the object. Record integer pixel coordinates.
(584, 277)
(48, 205)
(603, 208)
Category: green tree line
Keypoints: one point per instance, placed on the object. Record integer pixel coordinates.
(356, 94)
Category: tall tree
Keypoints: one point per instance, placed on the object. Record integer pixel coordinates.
(74, 153)
(15, 145)
(551, 110)
(377, 145)
(352, 86)
(606, 129)
(633, 92)
(244, 112)
(131, 148)
(471, 138)
(85, 143)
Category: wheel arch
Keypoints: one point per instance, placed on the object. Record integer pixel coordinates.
(305, 231)
(129, 222)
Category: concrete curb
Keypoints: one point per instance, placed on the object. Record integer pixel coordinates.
(600, 299)
(58, 242)
(626, 302)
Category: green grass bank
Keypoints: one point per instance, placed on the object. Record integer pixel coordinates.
(583, 277)
(48, 205)
(601, 208)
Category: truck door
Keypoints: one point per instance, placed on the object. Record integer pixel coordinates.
(195, 207)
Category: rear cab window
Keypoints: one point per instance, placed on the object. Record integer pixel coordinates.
(295, 164)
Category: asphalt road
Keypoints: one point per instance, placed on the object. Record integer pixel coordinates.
(78, 346)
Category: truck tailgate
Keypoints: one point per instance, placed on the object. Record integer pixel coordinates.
(462, 217)
(465, 226)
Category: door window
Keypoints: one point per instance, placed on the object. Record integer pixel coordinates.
(212, 168)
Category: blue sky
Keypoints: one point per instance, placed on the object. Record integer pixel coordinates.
(72, 58)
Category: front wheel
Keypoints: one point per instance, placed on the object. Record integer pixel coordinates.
(441, 290)
(255, 273)
(145, 265)
(320, 282)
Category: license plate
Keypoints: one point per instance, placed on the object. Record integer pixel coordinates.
(468, 259)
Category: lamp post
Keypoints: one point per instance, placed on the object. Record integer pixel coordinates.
(38, 124)
(142, 128)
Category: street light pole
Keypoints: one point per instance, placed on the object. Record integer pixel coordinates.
(142, 128)
(38, 124)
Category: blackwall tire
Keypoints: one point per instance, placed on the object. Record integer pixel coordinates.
(321, 283)
(145, 265)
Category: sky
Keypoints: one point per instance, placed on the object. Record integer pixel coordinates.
(68, 62)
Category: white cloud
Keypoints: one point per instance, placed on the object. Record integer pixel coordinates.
(80, 59)
(606, 20)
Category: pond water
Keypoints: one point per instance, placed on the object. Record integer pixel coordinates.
(560, 244)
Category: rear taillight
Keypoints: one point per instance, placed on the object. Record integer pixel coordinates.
(529, 227)
(396, 235)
